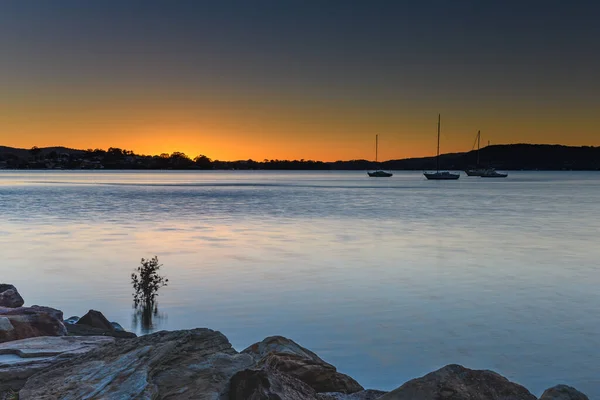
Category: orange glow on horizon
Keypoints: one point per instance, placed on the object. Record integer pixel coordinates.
(237, 128)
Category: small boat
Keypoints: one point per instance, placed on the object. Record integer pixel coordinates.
(440, 175)
(475, 172)
(378, 173)
(492, 173)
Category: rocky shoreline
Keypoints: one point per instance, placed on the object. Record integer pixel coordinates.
(44, 357)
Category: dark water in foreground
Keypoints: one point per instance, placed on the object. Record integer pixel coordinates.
(387, 279)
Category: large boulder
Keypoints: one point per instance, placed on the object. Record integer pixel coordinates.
(284, 355)
(10, 297)
(20, 359)
(25, 322)
(194, 364)
(283, 345)
(455, 382)
(94, 323)
(563, 392)
(252, 384)
(320, 377)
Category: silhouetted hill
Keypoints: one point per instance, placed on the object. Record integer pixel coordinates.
(25, 153)
(511, 157)
(504, 157)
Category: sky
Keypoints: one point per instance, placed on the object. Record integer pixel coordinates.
(285, 79)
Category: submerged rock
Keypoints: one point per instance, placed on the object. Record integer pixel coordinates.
(563, 392)
(10, 297)
(194, 364)
(25, 322)
(117, 327)
(455, 382)
(284, 355)
(20, 359)
(71, 320)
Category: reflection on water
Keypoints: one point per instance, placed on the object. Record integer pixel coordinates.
(387, 280)
(147, 319)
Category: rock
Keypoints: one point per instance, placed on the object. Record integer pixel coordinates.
(287, 356)
(71, 320)
(25, 322)
(322, 377)
(5, 324)
(563, 392)
(10, 297)
(94, 323)
(84, 330)
(20, 359)
(95, 319)
(455, 382)
(194, 364)
(280, 344)
(362, 395)
(268, 385)
(117, 327)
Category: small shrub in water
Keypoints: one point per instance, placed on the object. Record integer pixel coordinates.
(146, 281)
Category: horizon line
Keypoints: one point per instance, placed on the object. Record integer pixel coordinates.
(298, 159)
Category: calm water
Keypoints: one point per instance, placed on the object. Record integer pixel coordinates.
(387, 279)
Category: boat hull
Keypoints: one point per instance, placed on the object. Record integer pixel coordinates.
(474, 172)
(494, 175)
(380, 174)
(441, 176)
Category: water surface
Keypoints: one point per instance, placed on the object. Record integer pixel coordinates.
(387, 279)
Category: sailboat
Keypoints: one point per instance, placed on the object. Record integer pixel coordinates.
(484, 172)
(378, 173)
(477, 171)
(440, 175)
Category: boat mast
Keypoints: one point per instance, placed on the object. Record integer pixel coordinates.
(438, 145)
(478, 140)
(376, 146)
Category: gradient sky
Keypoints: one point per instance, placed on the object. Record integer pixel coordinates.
(298, 79)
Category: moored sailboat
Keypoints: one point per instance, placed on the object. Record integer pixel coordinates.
(477, 171)
(488, 172)
(378, 173)
(440, 175)
(492, 173)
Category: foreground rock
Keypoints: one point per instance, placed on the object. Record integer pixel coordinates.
(20, 359)
(195, 364)
(454, 382)
(563, 392)
(9, 296)
(94, 323)
(25, 322)
(284, 355)
(268, 385)
(201, 364)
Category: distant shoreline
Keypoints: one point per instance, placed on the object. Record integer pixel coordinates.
(512, 157)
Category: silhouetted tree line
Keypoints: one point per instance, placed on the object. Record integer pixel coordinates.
(507, 157)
